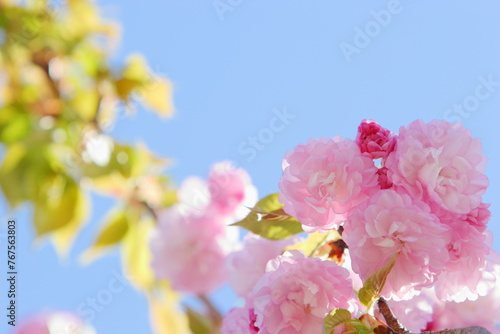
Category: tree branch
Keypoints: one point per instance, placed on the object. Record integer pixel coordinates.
(394, 324)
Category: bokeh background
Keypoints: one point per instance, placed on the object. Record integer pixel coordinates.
(239, 65)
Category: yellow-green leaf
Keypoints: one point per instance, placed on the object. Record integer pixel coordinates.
(313, 243)
(165, 316)
(11, 173)
(334, 318)
(198, 324)
(64, 237)
(375, 283)
(136, 69)
(157, 95)
(86, 103)
(268, 220)
(17, 128)
(113, 230)
(136, 256)
(59, 207)
(124, 86)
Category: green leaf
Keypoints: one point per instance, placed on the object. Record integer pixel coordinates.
(59, 207)
(17, 127)
(312, 245)
(268, 220)
(23, 170)
(122, 160)
(334, 318)
(164, 313)
(136, 256)
(375, 283)
(198, 324)
(63, 238)
(157, 95)
(11, 172)
(112, 232)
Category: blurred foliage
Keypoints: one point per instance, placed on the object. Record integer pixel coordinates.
(60, 96)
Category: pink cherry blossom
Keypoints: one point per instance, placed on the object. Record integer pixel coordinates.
(390, 223)
(297, 292)
(468, 251)
(193, 196)
(439, 163)
(383, 179)
(479, 217)
(324, 179)
(240, 320)
(53, 323)
(189, 250)
(231, 190)
(481, 312)
(249, 263)
(373, 140)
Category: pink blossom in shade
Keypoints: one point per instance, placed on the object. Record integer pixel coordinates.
(468, 252)
(479, 217)
(324, 179)
(190, 251)
(390, 223)
(231, 190)
(383, 179)
(53, 323)
(373, 140)
(439, 163)
(240, 320)
(297, 292)
(249, 263)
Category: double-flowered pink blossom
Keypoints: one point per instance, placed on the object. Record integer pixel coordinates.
(483, 311)
(393, 223)
(189, 251)
(248, 264)
(373, 140)
(240, 320)
(439, 163)
(231, 190)
(324, 179)
(468, 251)
(297, 292)
(192, 239)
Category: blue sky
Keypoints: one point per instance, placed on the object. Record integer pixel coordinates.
(322, 66)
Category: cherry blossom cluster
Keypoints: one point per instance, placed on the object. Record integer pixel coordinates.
(415, 197)
(417, 194)
(192, 240)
